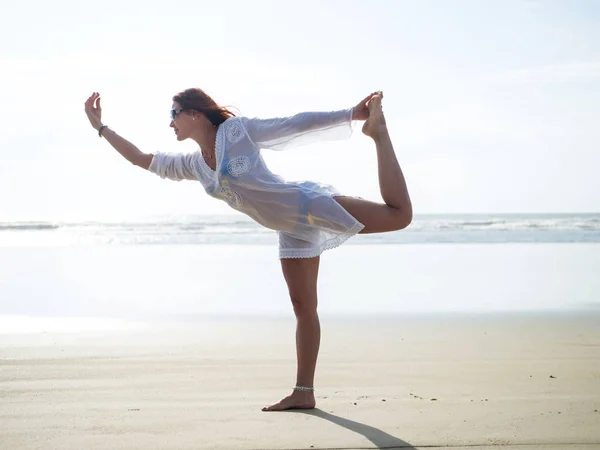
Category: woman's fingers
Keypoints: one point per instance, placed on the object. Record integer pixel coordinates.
(365, 100)
(90, 101)
(93, 109)
(93, 103)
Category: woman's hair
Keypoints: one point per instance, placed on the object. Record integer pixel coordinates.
(198, 100)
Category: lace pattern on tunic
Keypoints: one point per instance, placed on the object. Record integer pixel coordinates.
(233, 131)
(231, 197)
(329, 244)
(238, 166)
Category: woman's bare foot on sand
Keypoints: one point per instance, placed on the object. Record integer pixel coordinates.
(298, 400)
(375, 124)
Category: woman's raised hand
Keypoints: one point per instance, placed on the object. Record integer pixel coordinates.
(361, 110)
(93, 110)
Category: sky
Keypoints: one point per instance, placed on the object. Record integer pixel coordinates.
(492, 106)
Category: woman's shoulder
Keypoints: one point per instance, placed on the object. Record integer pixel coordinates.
(234, 129)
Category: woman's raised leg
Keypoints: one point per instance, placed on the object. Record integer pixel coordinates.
(396, 211)
(301, 277)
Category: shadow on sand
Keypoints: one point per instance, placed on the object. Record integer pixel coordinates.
(380, 439)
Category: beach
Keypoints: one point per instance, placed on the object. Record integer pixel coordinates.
(179, 347)
(410, 381)
(165, 281)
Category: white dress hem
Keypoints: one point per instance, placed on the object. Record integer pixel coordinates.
(295, 253)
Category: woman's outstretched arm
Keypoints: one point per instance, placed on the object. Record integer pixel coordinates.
(281, 133)
(129, 151)
(305, 128)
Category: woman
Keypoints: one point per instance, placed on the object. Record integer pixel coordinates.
(309, 217)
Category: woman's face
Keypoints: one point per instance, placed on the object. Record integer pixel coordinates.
(181, 121)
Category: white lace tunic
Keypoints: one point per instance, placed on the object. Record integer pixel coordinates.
(304, 213)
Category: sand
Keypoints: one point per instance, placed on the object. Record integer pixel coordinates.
(520, 381)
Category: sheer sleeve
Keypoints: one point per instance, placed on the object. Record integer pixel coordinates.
(300, 129)
(176, 167)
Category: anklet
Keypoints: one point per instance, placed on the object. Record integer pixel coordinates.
(306, 389)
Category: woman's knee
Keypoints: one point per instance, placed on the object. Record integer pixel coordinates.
(305, 305)
(402, 217)
(376, 217)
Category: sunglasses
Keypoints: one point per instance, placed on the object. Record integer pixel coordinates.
(175, 112)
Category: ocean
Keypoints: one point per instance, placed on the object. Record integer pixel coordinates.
(102, 275)
(239, 230)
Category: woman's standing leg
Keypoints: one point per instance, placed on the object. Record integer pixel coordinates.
(301, 277)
